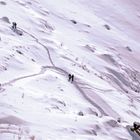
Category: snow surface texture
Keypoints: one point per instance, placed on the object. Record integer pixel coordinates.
(97, 41)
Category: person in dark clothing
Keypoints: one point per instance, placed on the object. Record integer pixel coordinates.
(14, 26)
(69, 77)
(72, 78)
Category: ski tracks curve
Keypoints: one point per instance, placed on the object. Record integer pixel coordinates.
(84, 93)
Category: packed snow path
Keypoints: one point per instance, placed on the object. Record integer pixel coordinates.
(93, 98)
(92, 41)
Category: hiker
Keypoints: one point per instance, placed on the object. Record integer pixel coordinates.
(69, 77)
(72, 78)
(14, 26)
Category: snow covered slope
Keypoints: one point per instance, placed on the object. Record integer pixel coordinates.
(97, 41)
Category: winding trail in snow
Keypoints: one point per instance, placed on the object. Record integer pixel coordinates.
(23, 77)
(92, 98)
(102, 111)
(86, 94)
(36, 39)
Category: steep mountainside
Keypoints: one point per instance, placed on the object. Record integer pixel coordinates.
(98, 41)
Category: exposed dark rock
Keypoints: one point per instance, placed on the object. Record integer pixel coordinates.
(81, 113)
(129, 49)
(2, 3)
(107, 27)
(5, 19)
(19, 52)
(73, 21)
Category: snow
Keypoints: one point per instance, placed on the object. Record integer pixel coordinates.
(37, 102)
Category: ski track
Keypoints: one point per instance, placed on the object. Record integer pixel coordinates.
(81, 90)
(36, 39)
(87, 91)
(85, 94)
